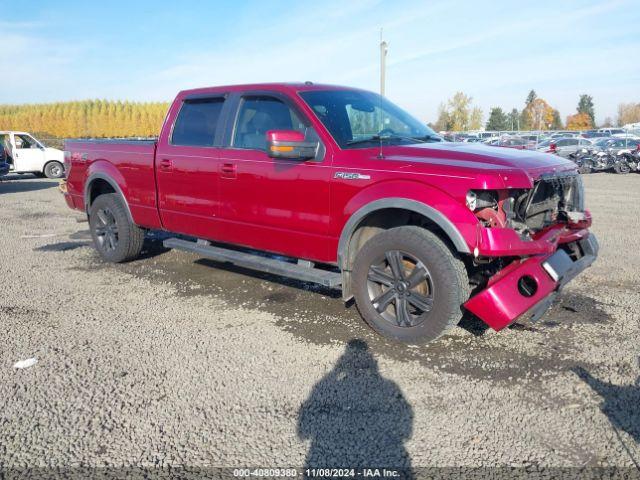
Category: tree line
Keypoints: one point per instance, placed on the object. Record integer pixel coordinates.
(105, 118)
(459, 114)
(87, 118)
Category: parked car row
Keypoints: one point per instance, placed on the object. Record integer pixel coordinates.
(605, 149)
(540, 136)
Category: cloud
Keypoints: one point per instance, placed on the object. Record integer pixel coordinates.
(38, 65)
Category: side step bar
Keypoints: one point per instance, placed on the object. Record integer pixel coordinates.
(257, 262)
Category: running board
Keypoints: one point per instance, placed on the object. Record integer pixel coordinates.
(257, 262)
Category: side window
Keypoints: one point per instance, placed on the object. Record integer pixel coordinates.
(23, 141)
(258, 115)
(573, 141)
(197, 122)
(562, 143)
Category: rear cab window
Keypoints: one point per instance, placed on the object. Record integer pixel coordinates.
(197, 122)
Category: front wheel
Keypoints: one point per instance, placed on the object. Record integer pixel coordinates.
(621, 167)
(116, 238)
(408, 285)
(54, 170)
(584, 169)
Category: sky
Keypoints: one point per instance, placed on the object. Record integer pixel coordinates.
(496, 51)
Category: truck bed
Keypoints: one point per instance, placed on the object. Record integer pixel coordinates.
(129, 162)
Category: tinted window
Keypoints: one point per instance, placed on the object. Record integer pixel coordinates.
(197, 121)
(258, 115)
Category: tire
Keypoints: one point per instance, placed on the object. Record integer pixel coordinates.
(424, 300)
(116, 238)
(54, 170)
(584, 169)
(621, 167)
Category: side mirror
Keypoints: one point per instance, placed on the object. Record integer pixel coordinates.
(290, 144)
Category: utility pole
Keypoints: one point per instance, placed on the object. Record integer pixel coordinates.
(383, 62)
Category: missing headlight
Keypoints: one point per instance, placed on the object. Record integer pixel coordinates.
(479, 199)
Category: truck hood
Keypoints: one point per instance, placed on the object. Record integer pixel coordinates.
(481, 158)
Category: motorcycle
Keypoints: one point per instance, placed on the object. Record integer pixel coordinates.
(589, 161)
(629, 161)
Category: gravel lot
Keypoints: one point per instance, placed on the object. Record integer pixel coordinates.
(175, 360)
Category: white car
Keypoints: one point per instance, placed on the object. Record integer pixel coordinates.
(25, 154)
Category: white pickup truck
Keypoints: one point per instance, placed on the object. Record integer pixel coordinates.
(25, 154)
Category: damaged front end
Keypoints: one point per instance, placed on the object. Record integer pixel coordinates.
(531, 242)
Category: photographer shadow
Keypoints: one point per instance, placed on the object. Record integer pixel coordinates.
(620, 402)
(355, 417)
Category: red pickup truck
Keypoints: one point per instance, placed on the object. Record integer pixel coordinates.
(354, 192)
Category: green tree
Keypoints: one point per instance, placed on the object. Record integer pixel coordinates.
(513, 119)
(585, 105)
(556, 123)
(497, 120)
(531, 97)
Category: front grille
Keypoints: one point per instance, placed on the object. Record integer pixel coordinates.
(550, 199)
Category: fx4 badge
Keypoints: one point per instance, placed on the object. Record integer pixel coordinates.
(351, 176)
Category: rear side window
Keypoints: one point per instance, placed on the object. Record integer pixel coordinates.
(197, 122)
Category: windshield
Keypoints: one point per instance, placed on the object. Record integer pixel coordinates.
(360, 119)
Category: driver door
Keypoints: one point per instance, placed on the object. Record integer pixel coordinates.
(278, 205)
(28, 155)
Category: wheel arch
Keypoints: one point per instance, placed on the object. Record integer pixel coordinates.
(100, 183)
(388, 213)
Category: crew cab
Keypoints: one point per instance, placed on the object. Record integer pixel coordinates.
(25, 154)
(354, 193)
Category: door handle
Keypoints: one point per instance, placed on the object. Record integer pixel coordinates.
(228, 170)
(165, 165)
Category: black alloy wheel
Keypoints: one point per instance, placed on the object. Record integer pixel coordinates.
(400, 288)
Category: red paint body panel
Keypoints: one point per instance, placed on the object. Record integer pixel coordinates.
(300, 208)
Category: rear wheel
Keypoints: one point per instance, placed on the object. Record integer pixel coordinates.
(116, 238)
(54, 170)
(408, 285)
(621, 167)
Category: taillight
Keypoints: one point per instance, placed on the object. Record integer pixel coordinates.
(552, 147)
(67, 162)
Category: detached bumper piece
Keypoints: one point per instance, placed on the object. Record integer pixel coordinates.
(526, 289)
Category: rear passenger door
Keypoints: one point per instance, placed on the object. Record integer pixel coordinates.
(187, 166)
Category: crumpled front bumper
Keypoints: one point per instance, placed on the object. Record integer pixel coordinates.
(525, 289)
